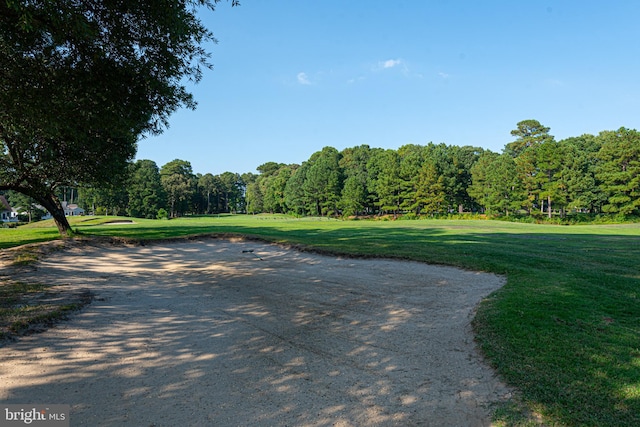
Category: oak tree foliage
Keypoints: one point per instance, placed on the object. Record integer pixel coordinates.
(82, 81)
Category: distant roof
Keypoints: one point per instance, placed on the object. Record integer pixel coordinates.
(4, 204)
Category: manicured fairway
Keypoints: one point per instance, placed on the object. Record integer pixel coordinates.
(565, 329)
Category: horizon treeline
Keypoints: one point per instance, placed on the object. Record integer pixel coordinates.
(534, 175)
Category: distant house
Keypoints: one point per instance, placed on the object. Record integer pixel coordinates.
(71, 209)
(7, 213)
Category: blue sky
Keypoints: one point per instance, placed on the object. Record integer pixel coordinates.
(293, 76)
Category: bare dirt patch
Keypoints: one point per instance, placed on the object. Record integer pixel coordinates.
(219, 332)
(33, 307)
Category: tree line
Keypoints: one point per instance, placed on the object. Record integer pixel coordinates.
(534, 175)
(169, 191)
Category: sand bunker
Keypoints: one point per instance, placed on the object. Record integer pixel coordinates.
(214, 332)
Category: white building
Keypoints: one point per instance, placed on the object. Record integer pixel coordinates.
(72, 209)
(7, 213)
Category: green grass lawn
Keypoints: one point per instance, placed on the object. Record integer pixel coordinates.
(565, 330)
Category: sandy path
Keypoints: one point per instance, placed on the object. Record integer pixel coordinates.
(200, 333)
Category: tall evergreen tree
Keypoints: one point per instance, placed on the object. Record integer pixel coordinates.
(177, 180)
(529, 133)
(385, 180)
(619, 170)
(146, 195)
(579, 173)
(496, 184)
(323, 183)
(463, 159)
(252, 193)
(294, 195)
(430, 191)
(549, 158)
(208, 186)
(355, 193)
(412, 159)
(232, 189)
(481, 183)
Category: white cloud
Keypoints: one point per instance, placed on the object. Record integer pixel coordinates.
(303, 79)
(443, 75)
(389, 63)
(396, 64)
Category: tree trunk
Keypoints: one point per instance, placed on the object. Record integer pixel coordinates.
(61, 222)
(549, 205)
(52, 204)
